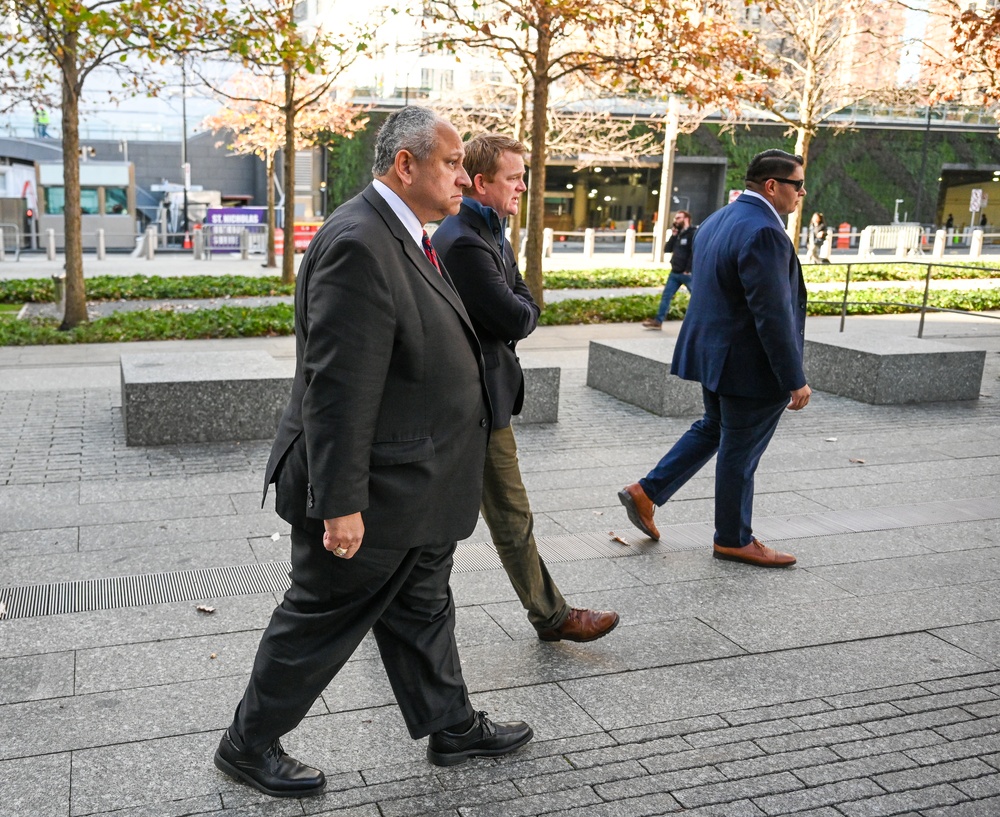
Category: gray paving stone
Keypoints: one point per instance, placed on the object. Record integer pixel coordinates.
(349, 796)
(687, 726)
(797, 761)
(751, 787)
(925, 776)
(35, 677)
(809, 673)
(192, 528)
(468, 798)
(106, 513)
(535, 804)
(895, 743)
(968, 680)
(944, 700)
(981, 638)
(986, 709)
(913, 572)
(131, 625)
(39, 542)
(64, 567)
(87, 721)
(182, 807)
(981, 808)
(839, 717)
(980, 788)
(734, 734)
(894, 694)
(829, 794)
(143, 774)
(970, 728)
(644, 806)
(165, 662)
(918, 799)
(812, 738)
(936, 719)
(838, 770)
(556, 779)
(829, 621)
(791, 709)
(222, 483)
(36, 786)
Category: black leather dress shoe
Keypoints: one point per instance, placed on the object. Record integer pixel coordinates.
(272, 772)
(484, 739)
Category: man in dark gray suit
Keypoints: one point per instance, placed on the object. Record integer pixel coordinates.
(377, 463)
(503, 312)
(742, 339)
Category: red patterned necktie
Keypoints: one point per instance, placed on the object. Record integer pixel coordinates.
(429, 252)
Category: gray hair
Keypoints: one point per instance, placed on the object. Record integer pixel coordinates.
(410, 128)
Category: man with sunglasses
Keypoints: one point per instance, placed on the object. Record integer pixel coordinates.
(742, 339)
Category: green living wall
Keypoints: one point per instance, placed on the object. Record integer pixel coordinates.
(857, 175)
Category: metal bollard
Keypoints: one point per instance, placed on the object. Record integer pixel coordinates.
(150, 243)
(199, 245)
(588, 242)
(244, 244)
(59, 288)
(101, 247)
(630, 242)
(3, 251)
(548, 238)
(939, 239)
(50, 244)
(976, 244)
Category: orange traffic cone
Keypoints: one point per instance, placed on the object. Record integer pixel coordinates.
(187, 240)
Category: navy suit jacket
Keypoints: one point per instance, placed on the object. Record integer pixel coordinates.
(745, 324)
(496, 298)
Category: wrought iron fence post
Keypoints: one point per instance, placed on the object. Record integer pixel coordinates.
(923, 308)
(843, 305)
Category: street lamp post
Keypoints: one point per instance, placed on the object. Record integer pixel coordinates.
(185, 167)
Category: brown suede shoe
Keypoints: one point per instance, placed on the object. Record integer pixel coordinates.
(756, 553)
(652, 323)
(640, 509)
(582, 625)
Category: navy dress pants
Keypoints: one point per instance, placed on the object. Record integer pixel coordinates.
(739, 429)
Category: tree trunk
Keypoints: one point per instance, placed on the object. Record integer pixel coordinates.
(536, 181)
(76, 293)
(272, 258)
(520, 133)
(802, 141)
(288, 258)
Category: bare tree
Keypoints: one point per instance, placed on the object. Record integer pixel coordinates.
(254, 120)
(830, 54)
(624, 46)
(62, 43)
(303, 63)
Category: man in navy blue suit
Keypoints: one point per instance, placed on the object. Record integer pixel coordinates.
(742, 339)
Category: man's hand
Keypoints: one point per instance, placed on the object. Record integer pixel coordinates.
(800, 398)
(343, 535)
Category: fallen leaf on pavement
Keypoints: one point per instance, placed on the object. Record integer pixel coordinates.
(204, 608)
(830, 440)
(859, 462)
(616, 538)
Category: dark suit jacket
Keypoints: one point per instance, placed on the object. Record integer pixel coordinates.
(497, 299)
(388, 414)
(744, 329)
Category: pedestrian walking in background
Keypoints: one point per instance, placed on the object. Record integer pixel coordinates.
(680, 246)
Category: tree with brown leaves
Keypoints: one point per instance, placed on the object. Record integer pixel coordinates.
(621, 46)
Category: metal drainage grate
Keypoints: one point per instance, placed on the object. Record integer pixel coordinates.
(272, 577)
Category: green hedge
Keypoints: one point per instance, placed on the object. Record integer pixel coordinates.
(237, 321)
(143, 287)
(148, 287)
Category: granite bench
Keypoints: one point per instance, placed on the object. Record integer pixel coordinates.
(202, 396)
(219, 396)
(888, 369)
(638, 372)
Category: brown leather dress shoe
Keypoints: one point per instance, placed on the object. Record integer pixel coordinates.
(756, 553)
(582, 625)
(652, 323)
(640, 509)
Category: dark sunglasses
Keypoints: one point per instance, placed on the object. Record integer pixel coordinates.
(796, 183)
